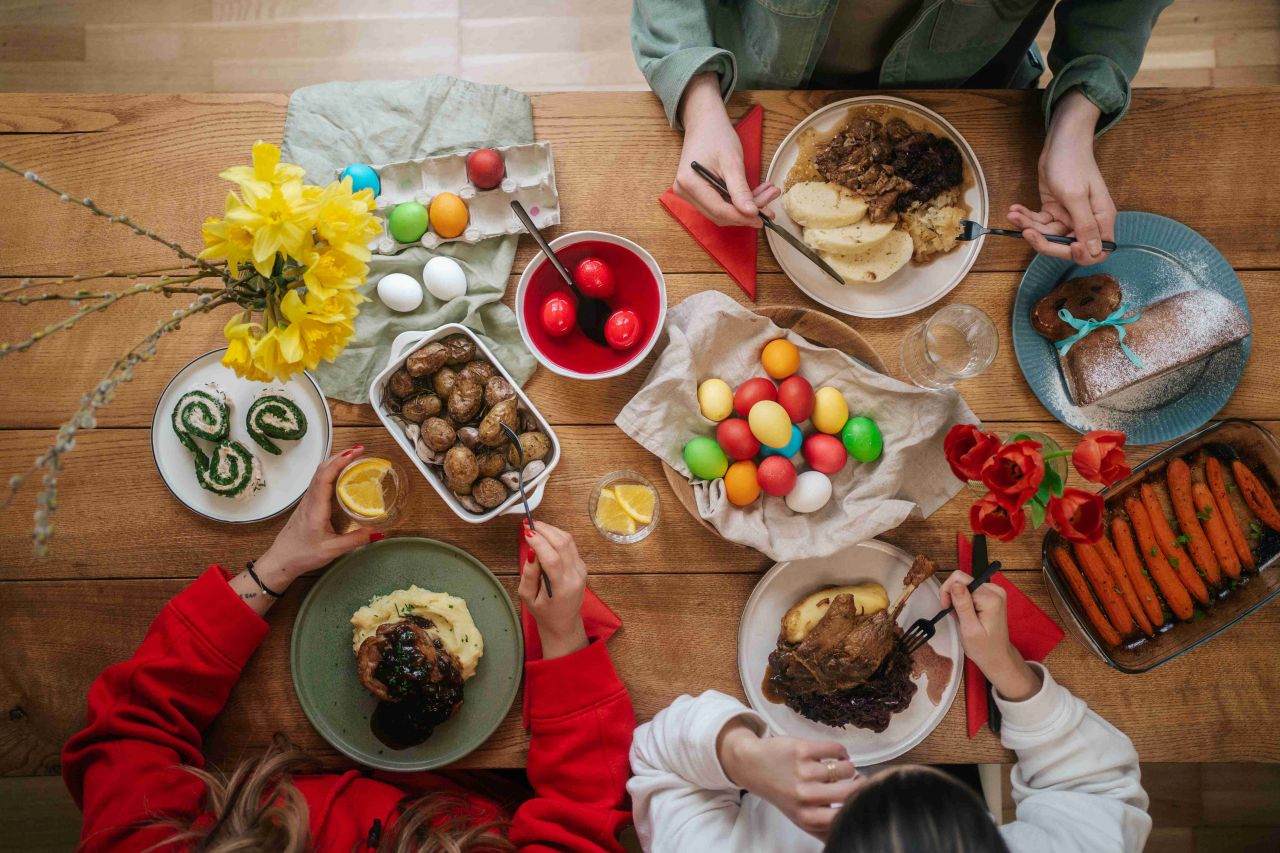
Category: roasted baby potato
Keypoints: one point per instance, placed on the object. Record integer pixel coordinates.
(438, 434)
(479, 370)
(496, 390)
(400, 385)
(491, 424)
(428, 359)
(535, 445)
(443, 381)
(488, 492)
(418, 409)
(492, 463)
(460, 467)
(460, 349)
(466, 399)
(804, 614)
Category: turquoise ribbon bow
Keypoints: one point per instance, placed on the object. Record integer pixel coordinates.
(1115, 319)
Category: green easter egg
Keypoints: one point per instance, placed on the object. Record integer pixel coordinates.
(408, 222)
(705, 459)
(862, 439)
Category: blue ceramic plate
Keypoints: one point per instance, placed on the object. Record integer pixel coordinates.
(1156, 257)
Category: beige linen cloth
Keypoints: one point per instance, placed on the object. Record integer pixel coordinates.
(710, 335)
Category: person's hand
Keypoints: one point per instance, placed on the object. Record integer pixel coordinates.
(791, 773)
(1073, 196)
(709, 139)
(308, 541)
(984, 634)
(559, 616)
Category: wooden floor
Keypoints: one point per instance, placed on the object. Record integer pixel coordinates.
(537, 45)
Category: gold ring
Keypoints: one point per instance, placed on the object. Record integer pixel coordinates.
(832, 765)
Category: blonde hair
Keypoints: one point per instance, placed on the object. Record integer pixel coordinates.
(259, 808)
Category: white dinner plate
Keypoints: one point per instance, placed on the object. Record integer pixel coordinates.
(910, 288)
(787, 583)
(287, 475)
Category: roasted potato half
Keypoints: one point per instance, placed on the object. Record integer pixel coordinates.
(869, 597)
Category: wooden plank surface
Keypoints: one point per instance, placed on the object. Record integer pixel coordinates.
(124, 545)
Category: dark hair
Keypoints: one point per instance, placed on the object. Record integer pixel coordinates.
(914, 809)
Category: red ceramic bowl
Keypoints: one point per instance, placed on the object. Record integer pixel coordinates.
(640, 287)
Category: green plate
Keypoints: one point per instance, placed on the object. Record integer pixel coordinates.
(324, 666)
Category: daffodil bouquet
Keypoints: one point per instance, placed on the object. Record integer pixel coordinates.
(289, 256)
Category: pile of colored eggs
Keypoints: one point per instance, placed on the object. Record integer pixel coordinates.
(763, 419)
(594, 278)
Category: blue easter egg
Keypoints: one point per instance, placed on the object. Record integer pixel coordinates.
(363, 177)
(791, 448)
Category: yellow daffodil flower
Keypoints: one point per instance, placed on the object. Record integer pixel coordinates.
(266, 170)
(223, 240)
(311, 336)
(279, 221)
(331, 270)
(242, 347)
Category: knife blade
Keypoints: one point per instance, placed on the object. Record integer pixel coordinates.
(795, 242)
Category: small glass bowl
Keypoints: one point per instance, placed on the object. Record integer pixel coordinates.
(395, 493)
(611, 479)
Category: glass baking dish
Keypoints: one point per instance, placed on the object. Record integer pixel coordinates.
(1259, 450)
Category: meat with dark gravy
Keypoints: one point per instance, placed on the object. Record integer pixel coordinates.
(405, 665)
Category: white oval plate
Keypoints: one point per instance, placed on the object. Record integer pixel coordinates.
(287, 475)
(910, 288)
(784, 585)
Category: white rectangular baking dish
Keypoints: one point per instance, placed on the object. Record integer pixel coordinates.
(401, 348)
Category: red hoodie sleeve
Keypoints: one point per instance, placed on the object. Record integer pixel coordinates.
(146, 716)
(581, 723)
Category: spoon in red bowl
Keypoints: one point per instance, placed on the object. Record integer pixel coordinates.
(592, 313)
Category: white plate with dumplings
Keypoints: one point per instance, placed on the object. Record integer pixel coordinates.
(284, 477)
(913, 286)
(786, 584)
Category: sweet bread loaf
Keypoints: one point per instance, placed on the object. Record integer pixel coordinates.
(1172, 333)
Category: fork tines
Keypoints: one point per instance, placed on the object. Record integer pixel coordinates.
(920, 632)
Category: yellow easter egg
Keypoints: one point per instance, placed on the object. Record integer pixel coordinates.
(769, 424)
(715, 399)
(780, 358)
(448, 215)
(830, 411)
(741, 485)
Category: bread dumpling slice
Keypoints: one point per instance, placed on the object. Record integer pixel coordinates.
(815, 204)
(847, 239)
(875, 262)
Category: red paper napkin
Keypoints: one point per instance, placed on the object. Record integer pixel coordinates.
(600, 622)
(1032, 633)
(734, 248)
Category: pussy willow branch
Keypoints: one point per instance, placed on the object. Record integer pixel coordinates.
(85, 418)
(93, 208)
(86, 295)
(28, 283)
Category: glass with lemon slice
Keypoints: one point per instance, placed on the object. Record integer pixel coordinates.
(624, 507)
(371, 491)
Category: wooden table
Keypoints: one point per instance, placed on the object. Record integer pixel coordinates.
(124, 545)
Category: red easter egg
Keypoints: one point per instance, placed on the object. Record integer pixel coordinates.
(485, 168)
(795, 394)
(623, 329)
(559, 314)
(735, 438)
(825, 453)
(777, 476)
(594, 278)
(751, 392)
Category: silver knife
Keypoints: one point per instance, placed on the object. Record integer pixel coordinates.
(714, 179)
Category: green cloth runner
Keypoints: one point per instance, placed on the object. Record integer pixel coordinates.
(334, 124)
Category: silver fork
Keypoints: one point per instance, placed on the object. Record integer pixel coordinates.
(528, 514)
(971, 230)
(922, 630)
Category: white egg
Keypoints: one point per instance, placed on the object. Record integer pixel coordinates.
(444, 278)
(399, 292)
(811, 492)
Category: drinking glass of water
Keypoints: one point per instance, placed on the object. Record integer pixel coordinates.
(958, 342)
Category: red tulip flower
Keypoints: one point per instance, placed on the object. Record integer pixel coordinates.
(1099, 457)
(993, 518)
(1014, 472)
(1077, 515)
(967, 449)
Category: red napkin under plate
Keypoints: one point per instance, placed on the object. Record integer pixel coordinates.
(734, 247)
(1032, 633)
(600, 622)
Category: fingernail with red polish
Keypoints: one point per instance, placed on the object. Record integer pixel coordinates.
(377, 536)
(528, 533)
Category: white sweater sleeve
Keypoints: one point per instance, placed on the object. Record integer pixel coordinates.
(1076, 785)
(681, 799)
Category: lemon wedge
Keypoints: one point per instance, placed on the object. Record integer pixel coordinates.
(636, 500)
(360, 487)
(611, 515)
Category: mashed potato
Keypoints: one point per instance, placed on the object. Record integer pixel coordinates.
(448, 613)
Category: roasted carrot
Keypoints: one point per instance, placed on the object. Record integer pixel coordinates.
(1255, 495)
(1177, 558)
(1218, 487)
(1128, 551)
(1105, 588)
(1216, 530)
(1076, 581)
(1178, 475)
(1114, 565)
(1175, 593)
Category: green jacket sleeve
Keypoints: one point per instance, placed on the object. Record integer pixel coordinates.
(1097, 47)
(672, 41)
